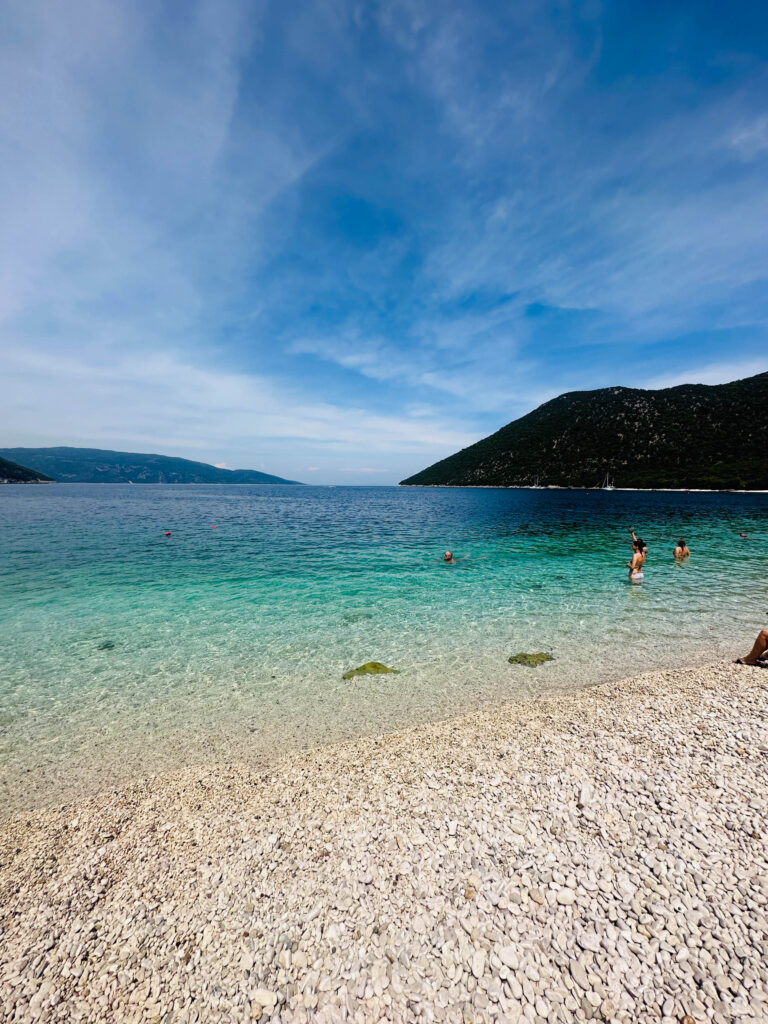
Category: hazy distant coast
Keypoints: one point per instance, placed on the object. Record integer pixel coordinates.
(97, 465)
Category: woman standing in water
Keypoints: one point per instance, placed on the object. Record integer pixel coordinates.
(681, 551)
(638, 558)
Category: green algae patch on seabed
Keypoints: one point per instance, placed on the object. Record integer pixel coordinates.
(531, 660)
(371, 668)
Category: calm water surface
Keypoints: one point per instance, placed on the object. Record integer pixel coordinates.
(124, 651)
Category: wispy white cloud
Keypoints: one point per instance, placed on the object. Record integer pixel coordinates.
(114, 141)
(157, 400)
(712, 373)
(641, 231)
(126, 210)
(751, 140)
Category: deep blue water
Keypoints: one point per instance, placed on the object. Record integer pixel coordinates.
(125, 650)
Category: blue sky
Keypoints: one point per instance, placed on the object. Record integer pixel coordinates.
(341, 240)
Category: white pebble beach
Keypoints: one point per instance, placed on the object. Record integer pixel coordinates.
(595, 855)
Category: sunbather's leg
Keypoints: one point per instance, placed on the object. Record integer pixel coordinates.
(760, 647)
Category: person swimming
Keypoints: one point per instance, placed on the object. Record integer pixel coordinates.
(448, 557)
(681, 551)
(638, 559)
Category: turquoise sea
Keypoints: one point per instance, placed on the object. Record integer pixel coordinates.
(124, 651)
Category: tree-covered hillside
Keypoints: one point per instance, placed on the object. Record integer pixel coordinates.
(693, 435)
(12, 473)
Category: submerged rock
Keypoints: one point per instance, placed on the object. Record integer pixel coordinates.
(371, 668)
(106, 645)
(531, 660)
(357, 616)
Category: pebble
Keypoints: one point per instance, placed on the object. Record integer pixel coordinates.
(589, 940)
(508, 956)
(593, 855)
(579, 974)
(478, 963)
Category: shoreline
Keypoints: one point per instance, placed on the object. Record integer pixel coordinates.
(82, 768)
(466, 487)
(561, 487)
(592, 854)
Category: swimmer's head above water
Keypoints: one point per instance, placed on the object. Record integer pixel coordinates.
(448, 556)
(637, 543)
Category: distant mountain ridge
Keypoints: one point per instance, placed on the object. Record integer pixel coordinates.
(693, 435)
(96, 465)
(13, 473)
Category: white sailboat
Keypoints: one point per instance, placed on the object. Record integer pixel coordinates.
(607, 484)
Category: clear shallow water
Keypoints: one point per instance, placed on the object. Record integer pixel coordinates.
(125, 651)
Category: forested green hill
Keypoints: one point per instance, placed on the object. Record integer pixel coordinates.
(694, 435)
(12, 473)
